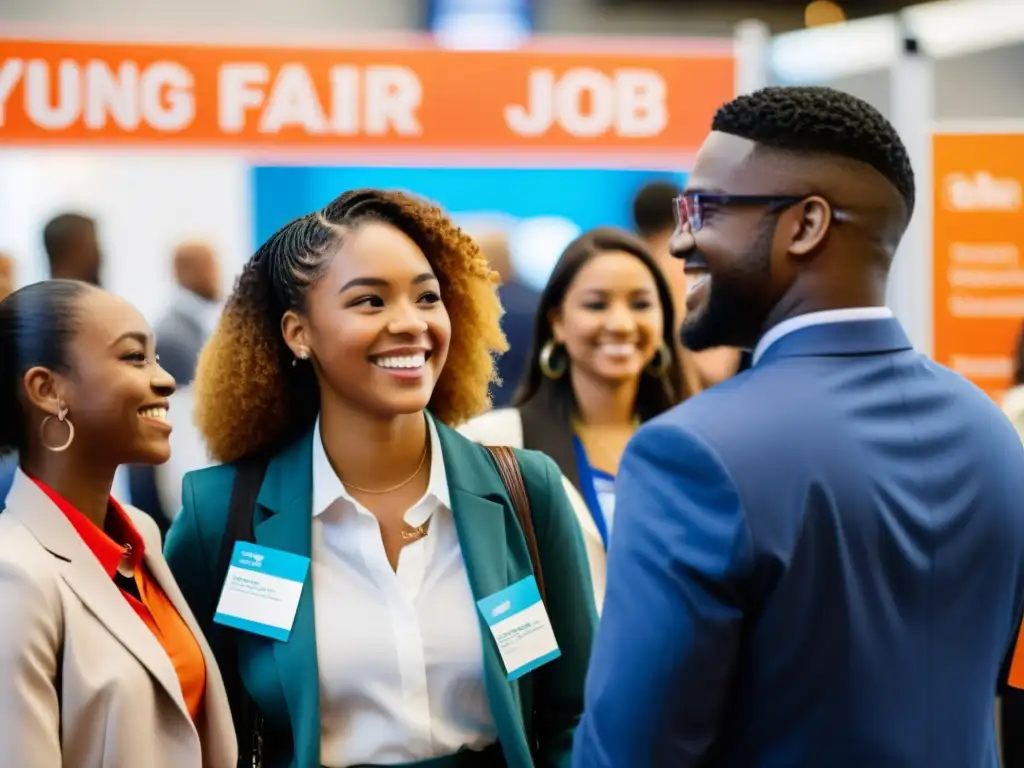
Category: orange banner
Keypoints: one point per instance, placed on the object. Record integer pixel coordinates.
(978, 241)
(319, 99)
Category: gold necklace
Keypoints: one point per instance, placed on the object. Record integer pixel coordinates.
(409, 479)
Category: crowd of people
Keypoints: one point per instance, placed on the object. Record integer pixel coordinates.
(697, 503)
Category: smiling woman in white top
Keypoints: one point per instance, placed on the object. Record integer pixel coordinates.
(375, 553)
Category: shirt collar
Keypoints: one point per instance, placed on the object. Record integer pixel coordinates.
(328, 488)
(107, 543)
(817, 318)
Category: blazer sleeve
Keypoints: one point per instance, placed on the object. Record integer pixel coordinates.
(188, 555)
(29, 665)
(670, 629)
(558, 686)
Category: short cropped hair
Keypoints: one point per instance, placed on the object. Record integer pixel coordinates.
(653, 212)
(817, 119)
(249, 397)
(62, 231)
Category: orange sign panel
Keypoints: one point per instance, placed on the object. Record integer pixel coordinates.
(422, 98)
(979, 255)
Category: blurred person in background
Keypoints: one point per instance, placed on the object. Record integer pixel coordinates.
(72, 248)
(821, 562)
(182, 331)
(1013, 400)
(519, 302)
(655, 220)
(102, 663)
(8, 464)
(354, 337)
(7, 275)
(180, 335)
(1011, 720)
(601, 363)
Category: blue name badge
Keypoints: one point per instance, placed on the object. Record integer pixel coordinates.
(521, 627)
(262, 590)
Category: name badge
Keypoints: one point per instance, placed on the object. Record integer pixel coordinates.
(262, 590)
(521, 627)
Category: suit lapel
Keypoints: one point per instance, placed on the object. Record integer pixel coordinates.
(549, 432)
(480, 520)
(216, 726)
(285, 504)
(86, 578)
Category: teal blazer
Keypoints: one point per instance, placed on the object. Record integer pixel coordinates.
(542, 708)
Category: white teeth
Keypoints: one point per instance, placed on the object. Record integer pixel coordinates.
(155, 413)
(405, 361)
(618, 350)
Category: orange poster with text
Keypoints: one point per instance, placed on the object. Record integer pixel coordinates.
(978, 242)
(420, 98)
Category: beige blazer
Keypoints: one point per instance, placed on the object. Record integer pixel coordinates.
(504, 426)
(85, 682)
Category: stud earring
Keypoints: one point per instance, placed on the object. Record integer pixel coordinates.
(303, 355)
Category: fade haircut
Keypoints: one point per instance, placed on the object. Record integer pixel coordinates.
(816, 119)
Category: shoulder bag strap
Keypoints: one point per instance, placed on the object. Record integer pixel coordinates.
(512, 477)
(246, 489)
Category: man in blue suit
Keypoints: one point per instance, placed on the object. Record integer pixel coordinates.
(817, 563)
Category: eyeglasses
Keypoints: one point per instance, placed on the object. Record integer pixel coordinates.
(689, 209)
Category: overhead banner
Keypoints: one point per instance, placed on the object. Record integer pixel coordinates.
(978, 241)
(314, 99)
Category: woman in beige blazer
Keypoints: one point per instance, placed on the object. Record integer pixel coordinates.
(602, 363)
(103, 664)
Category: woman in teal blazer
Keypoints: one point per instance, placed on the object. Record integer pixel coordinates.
(355, 339)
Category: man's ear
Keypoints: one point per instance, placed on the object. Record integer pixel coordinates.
(809, 224)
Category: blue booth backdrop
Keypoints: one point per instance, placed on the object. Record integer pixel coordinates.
(541, 209)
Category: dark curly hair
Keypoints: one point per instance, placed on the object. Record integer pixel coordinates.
(37, 325)
(250, 399)
(656, 393)
(816, 119)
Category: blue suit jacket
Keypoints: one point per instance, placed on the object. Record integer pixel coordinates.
(817, 563)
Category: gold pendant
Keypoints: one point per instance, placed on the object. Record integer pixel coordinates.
(414, 533)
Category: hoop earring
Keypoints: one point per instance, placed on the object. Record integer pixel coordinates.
(661, 361)
(62, 417)
(544, 361)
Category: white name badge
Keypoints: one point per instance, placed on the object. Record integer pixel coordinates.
(262, 590)
(521, 627)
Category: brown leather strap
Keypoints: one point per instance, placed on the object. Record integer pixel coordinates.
(512, 476)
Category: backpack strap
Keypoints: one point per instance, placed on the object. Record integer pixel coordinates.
(512, 477)
(239, 527)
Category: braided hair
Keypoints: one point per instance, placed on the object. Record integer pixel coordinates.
(249, 397)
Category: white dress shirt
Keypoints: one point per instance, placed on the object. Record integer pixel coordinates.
(817, 318)
(400, 654)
